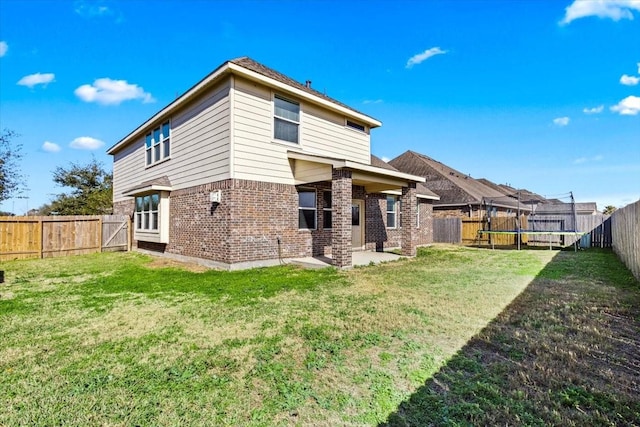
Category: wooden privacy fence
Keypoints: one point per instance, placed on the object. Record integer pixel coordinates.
(51, 236)
(447, 230)
(625, 230)
(593, 231)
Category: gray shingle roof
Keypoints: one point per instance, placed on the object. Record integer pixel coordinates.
(379, 163)
(161, 181)
(526, 196)
(452, 186)
(262, 69)
(420, 187)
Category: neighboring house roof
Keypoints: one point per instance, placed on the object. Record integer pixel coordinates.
(425, 193)
(582, 208)
(252, 70)
(526, 196)
(421, 189)
(453, 187)
(379, 163)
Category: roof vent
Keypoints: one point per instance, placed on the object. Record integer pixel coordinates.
(307, 84)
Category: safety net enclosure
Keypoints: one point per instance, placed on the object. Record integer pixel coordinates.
(533, 220)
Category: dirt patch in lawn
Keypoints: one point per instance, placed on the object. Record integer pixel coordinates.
(160, 262)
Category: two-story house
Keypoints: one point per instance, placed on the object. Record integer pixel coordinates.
(249, 167)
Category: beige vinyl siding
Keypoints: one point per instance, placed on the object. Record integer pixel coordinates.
(306, 172)
(199, 147)
(258, 156)
(324, 133)
(127, 165)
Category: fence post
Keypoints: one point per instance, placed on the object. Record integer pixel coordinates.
(100, 234)
(129, 233)
(41, 248)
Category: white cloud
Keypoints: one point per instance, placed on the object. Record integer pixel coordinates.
(420, 57)
(50, 147)
(581, 160)
(594, 110)
(385, 159)
(86, 143)
(4, 47)
(112, 92)
(612, 9)
(90, 9)
(561, 121)
(638, 67)
(36, 79)
(372, 101)
(629, 80)
(630, 106)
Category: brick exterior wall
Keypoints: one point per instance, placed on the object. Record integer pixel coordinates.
(425, 228)
(258, 221)
(379, 237)
(409, 242)
(342, 193)
(124, 207)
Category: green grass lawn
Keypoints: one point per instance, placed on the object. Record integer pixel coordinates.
(456, 336)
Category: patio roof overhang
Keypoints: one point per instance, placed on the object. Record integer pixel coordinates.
(309, 168)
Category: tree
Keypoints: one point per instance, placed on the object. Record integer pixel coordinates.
(608, 210)
(11, 180)
(91, 192)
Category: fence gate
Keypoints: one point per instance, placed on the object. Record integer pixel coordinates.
(115, 233)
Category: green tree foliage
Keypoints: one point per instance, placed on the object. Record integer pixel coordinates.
(11, 181)
(608, 210)
(91, 190)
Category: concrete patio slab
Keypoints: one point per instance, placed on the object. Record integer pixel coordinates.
(357, 259)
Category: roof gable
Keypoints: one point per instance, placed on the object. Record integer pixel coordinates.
(451, 185)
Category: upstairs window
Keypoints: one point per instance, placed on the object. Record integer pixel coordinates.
(158, 144)
(286, 119)
(356, 126)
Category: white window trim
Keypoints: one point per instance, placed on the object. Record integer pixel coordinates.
(315, 208)
(161, 234)
(327, 209)
(275, 95)
(396, 212)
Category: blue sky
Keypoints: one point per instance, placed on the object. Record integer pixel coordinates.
(543, 95)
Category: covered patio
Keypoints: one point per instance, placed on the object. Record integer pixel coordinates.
(349, 215)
